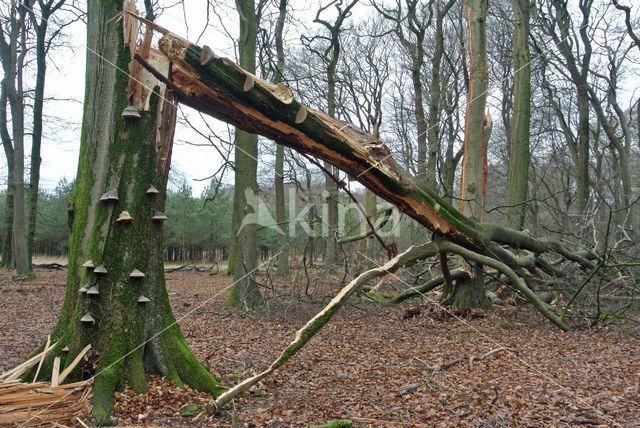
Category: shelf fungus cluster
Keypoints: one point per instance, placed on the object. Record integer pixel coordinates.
(124, 218)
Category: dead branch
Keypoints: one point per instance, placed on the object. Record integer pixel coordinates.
(319, 320)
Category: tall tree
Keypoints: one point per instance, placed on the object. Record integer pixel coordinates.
(40, 23)
(281, 215)
(411, 29)
(244, 251)
(520, 156)
(473, 187)
(13, 52)
(129, 321)
(331, 56)
(558, 24)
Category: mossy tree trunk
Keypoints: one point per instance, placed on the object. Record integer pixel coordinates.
(244, 248)
(520, 159)
(7, 244)
(131, 339)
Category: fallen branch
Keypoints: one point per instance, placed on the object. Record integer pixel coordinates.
(433, 283)
(55, 266)
(515, 280)
(19, 370)
(317, 322)
(487, 354)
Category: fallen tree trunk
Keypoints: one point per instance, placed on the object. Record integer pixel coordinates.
(220, 88)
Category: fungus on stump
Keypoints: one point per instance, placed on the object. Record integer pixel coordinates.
(124, 156)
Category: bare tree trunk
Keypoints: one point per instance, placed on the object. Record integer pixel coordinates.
(520, 156)
(129, 322)
(13, 52)
(47, 9)
(435, 91)
(7, 145)
(245, 291)
(281, 214)
(470, 292)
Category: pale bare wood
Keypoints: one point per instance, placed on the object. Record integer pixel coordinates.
(67, 371)
(301, 115)
(249, 83)
(55, 374)
(46, 349)
(17, 371)
(40, 404)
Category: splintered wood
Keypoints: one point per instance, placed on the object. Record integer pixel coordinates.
(41, 403)
(38, 404)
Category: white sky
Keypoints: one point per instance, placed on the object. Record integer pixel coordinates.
(65, 81)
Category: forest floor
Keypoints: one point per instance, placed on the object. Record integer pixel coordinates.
(372, 363)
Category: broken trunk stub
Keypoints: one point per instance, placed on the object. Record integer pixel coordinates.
(152, 190)
(124, 218)
(158, 216)
(110, 196)
(65, 349)
(100, 270)
(143, 299)
(136, 274)
(88, 319)
(130, 113)
(89, 264)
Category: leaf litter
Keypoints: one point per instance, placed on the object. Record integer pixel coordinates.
(371, 364)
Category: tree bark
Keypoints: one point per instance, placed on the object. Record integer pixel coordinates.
(47, 9)
(131, 338)
(520, 156)
(13, 52)
(435, 92)
(331, 57)
(244, 251)
(7, 145)
(470, 292)
(281, 214)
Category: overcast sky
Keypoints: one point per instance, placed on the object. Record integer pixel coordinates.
(192, 157)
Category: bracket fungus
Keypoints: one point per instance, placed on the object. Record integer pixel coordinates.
(130, 113)
(83, 289)
(124, 218)
(93, 291)
(100, 270)
(88, 319)
(152, 191)
(110, 196)
(136, 274)
(158, 216)
(143, 299)
(89, 264)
